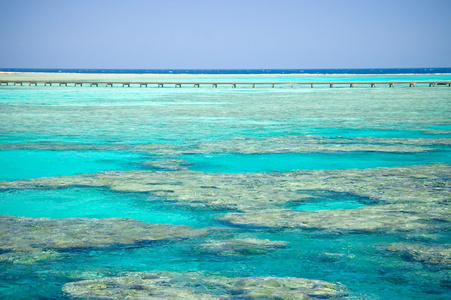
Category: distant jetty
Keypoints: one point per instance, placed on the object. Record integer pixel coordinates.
(216, 84)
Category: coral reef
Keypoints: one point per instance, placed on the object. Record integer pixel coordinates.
(193, 285)
(240, 247)
(431, 254)
(32, 239)
(276, 144)
(414, 198)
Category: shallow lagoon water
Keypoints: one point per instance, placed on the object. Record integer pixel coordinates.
(59, 131)
(96, 203)
(20, 164)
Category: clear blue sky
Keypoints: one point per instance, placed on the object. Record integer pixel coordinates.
(227, 34)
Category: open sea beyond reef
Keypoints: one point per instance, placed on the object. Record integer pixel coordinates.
(225, 193)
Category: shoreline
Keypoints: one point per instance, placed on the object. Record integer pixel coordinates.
(223, 75)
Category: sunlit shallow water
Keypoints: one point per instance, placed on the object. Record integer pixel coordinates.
(59, 131)
(21, 164)
(97, 203)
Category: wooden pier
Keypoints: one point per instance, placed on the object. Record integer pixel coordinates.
(216, 84)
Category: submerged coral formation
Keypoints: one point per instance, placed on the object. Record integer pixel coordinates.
(270, 145)
(22, 235)
(409, 202)
(396, 199)
(168, 164)
(240, 247)
(194, 285)
(431, 254)
(370, 219)
(20, 256)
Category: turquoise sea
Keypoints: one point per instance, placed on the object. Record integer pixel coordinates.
(225, 193)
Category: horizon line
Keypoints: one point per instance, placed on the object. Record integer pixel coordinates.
(367, 68)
